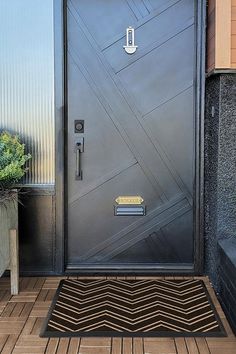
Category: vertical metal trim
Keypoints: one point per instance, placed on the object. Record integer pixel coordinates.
(199, 142)
(60, 108)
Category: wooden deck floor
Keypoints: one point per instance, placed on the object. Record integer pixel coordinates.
(21, 317)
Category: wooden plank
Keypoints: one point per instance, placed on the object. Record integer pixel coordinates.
(28, 350)
(74, 346)
(191, 346)
(30, 344)
(52, 283)
(11, 327)
(63, 345)
(181, 346)
(202, 346)
(24, 283)
(14, 261)
(233, 41)
(159, 346)
(5, 284)
(29, 325)
(233, 33)
(116, 346)
(233, 55)
(215, 340)
(233, 27)
(2, 307)
(11, 319)
(40, 309)
(37, 326)
(5, 296)
(42, 295)
(222, 347)
(39, 283)
(31, 340)
(227, 328)
(32, 283)
(10, 344)
(233, 15)
(95, 346)
(26, 310)
(50, 295)
(8, 309)
(95, 342)
(3, 339)
(18, 309)
(223, 34)
(127, 346)
(52, 346)
(138, 346)
(94, 350)
(25, 296)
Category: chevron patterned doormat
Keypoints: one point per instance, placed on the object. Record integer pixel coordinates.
(132, 308)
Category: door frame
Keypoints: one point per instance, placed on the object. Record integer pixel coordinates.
(60, 98)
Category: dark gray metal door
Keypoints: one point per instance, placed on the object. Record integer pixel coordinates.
(138, 135)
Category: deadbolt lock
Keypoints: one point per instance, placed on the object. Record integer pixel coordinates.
(79, 126)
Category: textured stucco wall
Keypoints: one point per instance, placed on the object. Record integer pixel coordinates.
(220, 168)
(211, 168)
(227, 158)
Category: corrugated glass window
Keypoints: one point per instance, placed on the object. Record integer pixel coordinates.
(27, 81)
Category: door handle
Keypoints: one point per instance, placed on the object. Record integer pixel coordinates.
(79, 148)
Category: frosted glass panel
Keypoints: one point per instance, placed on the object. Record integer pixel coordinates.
(26, 80)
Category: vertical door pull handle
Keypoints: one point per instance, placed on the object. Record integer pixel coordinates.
(79, 148)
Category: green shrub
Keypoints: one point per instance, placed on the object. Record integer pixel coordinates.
(12, 160)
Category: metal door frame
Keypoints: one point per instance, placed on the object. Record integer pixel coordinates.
(60, 85)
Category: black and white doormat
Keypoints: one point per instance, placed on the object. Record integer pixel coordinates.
(122, 308)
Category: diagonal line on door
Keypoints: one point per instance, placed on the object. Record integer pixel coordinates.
(162, 212)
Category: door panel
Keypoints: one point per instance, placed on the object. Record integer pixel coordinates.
(102, 162)
(103, 20)
(138, 132)
(152, 32)
(175, 128)
(151, 91)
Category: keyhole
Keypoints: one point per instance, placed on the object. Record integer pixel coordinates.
(79, 126)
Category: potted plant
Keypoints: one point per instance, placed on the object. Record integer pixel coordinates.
(12, 169)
